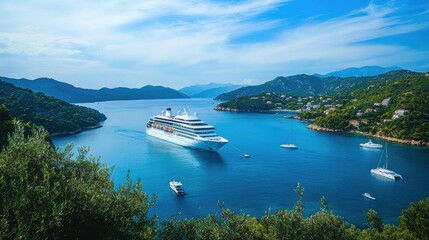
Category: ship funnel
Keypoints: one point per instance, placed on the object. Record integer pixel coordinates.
(168, 112)
(195, 114)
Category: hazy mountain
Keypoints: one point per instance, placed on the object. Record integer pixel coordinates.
(70, 93)
(209, 90)
(304, 85)
(213, 92)
(359, 72)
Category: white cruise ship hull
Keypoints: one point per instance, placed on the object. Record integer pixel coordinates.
(201, 144)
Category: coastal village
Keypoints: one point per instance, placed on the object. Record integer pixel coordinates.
(379, 111)
(326, 105)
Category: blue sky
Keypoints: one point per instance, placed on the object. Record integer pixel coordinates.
(177, 43)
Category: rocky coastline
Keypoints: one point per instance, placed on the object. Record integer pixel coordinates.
(219, 108)
(390, 139)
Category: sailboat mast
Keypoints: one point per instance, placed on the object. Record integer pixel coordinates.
(386, 158)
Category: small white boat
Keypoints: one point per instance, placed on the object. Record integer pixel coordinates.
(371, 145)
(289, 145)
(177, 188)
(367, 195)
(246, 155)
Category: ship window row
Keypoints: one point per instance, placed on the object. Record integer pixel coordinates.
(185, 136)
(209, 136)
(165, 122)
(200, 129)
(181, 121)
(168, 122)
(205, 132)
(184, 132)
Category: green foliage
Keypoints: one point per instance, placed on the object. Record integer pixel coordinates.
(265, 102)
(415, 220)
(306, 85)
(53, 114)
(409, 93)
(49, 194)
(374, 220)
(6, 125)
(246, 104)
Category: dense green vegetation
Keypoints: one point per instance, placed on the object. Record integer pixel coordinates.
(53, 114)
(306, 85)
(365, 106)
(271, 101)
(6, 125)
(48, 193)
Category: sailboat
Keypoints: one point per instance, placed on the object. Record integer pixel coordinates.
(384, 172)
(289, 145)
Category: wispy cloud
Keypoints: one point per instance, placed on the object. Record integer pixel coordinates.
(190, 40)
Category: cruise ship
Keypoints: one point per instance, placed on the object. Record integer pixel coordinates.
(184, 129)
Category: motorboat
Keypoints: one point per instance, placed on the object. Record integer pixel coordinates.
(177, 188)
(367, 195)
(289, 145)
(370, 144)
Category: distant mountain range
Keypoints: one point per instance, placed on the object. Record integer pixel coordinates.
(359, 72)
(307, 85)
(72, 94)
(210, 90)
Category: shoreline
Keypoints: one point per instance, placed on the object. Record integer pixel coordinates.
(217, 108)
(65, 133)
(390, 139)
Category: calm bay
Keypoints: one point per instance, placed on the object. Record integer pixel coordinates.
(326, 164)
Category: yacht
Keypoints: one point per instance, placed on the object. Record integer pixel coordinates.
(289, 145)
(371, 145)
(367, 195)
(186, 130)
(177, 188)
(384, 172)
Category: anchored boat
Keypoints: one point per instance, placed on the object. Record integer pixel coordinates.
(384, 172)
(177, 188)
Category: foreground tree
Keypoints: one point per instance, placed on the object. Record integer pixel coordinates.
(46, 193)
(6, 125)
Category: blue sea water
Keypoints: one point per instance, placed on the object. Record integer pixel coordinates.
(326, 164)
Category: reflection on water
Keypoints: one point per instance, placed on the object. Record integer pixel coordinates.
(196, 158)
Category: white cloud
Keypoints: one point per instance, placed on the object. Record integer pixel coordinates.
(189, 40)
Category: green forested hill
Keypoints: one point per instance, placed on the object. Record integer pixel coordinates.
(361, 109)
(306, 85)
(53, 114)
(405, 116)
